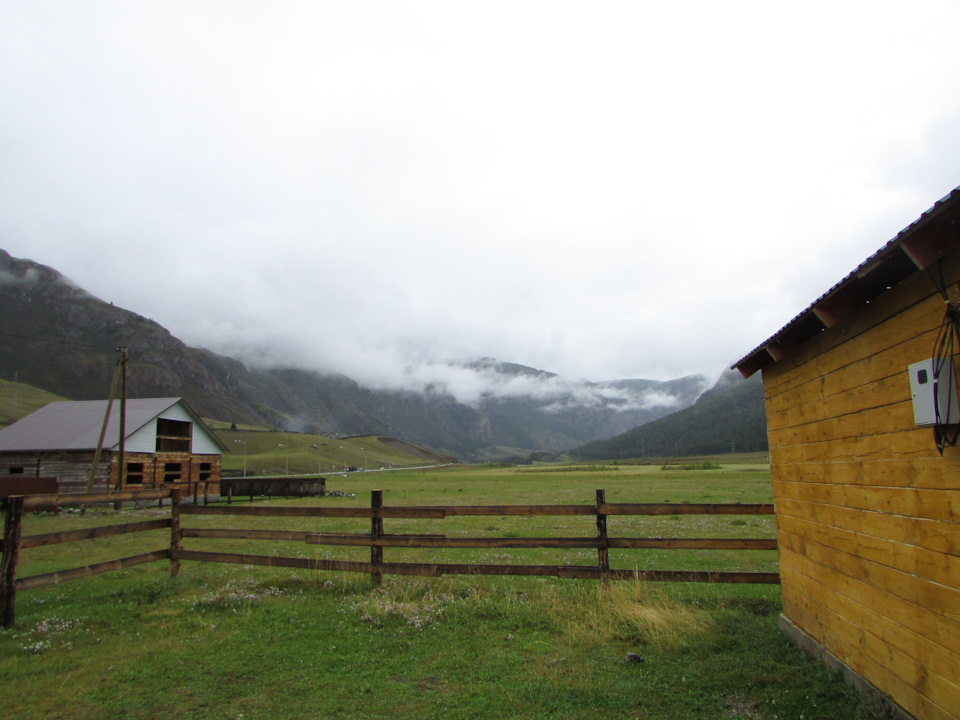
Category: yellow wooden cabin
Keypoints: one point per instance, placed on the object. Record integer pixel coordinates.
(866, 470)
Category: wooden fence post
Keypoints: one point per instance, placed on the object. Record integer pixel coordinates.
(8, 563)
(376, 531)
(175, 541)
(603, 554)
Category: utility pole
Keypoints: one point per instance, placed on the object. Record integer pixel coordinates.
(122, 459)
(103, 433)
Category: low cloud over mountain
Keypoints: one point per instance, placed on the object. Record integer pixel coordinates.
(60, 338)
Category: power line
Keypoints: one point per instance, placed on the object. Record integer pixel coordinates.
(49, 340)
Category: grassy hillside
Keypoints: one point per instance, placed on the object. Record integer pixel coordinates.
(279, 453)
(18, 400)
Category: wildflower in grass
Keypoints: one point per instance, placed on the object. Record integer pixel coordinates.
(234, 595)
(37, 647)
(49, 629)
(417, 606)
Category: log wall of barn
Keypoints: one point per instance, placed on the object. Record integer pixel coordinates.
(160, 469)
(868, 512)
(71, 468)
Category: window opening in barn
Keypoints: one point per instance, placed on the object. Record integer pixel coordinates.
(16, 470)
(134, 473)
(173, 435)
(172, 472)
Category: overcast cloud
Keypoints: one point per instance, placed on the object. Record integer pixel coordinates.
(601, 190)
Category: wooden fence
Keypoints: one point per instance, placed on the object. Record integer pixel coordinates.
(376, 539)
(280, 486)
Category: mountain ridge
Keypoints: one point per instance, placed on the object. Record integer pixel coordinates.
(63, 339)
(729, 417)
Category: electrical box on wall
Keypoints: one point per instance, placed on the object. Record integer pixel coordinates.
(932, 393)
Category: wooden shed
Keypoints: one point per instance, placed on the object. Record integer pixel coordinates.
(165, 443)
(866, 476)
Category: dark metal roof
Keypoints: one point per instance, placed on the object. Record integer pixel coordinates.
(917, 247)
(76, 425)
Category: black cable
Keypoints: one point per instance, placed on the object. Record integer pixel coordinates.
(50, 340)
(945, 350)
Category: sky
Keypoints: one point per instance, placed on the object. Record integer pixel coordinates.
(600, 190)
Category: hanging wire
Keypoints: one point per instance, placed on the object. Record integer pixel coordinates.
(946, 430)
(55, 341)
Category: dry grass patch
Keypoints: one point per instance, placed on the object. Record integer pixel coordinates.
(641, 613)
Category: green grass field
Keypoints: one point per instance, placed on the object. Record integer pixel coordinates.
(228, 641)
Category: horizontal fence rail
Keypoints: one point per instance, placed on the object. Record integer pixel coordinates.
(46, 502)
(54, 578)
(104, 531)
(417, 511)
(415, 541)
(581, 572)
(376, 539)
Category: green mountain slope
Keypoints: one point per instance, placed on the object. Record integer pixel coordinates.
(730, 417)
(18, 400)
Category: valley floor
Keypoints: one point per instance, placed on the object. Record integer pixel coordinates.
(228, 641)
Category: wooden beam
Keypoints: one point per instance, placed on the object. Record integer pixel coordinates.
(54, 578)
(510, 510)
(775, 351)
(694, 543)
(226, 534)
(293, 511)
(828, 318)
(436, 570)
(273, 561)
(925, 250)
(686, 508)
(45, 502)
(176, 531)
(480, 510)
(376, 532)
(453, 542)
(66, 536)
(421, 541)
(603, 553)
(13, 517)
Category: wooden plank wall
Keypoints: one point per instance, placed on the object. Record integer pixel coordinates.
(72, 469)
(868, 512)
